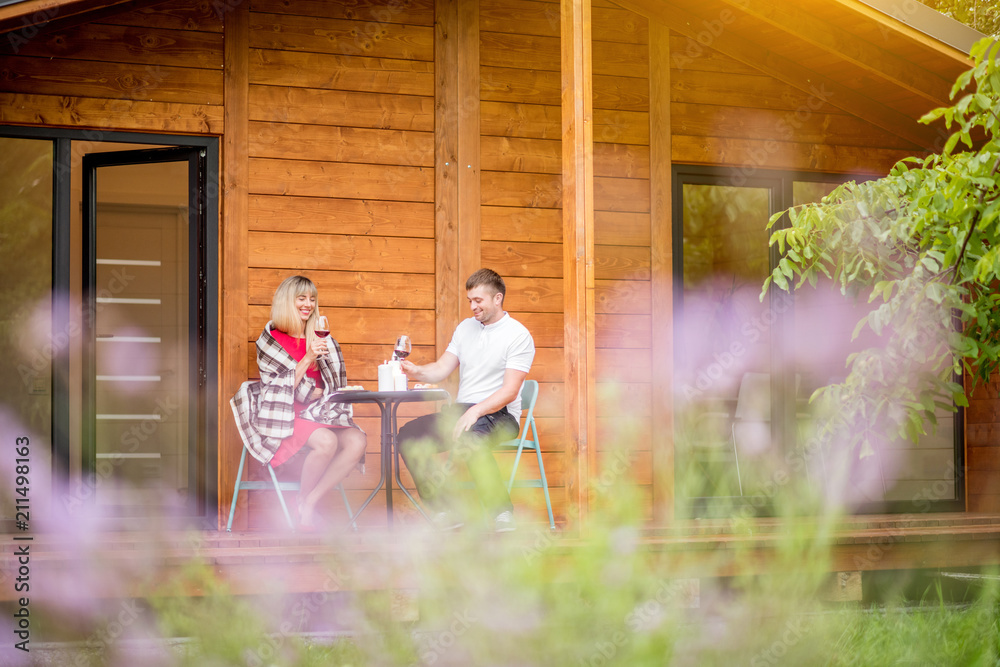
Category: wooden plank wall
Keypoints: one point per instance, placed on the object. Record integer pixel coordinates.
(725, 112)
(982, 447)
(623, 255)
(341, 186)
(521, 218)
(722, 112)
(157, 69)
(521, 228)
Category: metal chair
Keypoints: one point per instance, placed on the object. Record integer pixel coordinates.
(712, 442)
(529, 396)
(279, 486)
(753, 411)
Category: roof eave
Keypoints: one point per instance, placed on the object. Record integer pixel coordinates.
(929, 22)
(25, 15)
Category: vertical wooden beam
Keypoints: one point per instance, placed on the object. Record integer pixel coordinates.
(233, 248)
(469, 197)
(578, 251)
(662, 271)
(456, 159)
(446, 203)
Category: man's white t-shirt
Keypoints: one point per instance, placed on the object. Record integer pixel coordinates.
(485, 352)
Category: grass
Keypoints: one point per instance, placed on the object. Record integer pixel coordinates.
(935, 635)
(603, 612)
(609, 602)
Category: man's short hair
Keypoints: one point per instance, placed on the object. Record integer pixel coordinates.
(487, 278)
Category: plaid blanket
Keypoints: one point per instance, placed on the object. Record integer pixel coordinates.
(264, 409)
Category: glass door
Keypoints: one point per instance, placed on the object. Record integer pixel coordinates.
(144, 372)
(725, 342)
(746, 433)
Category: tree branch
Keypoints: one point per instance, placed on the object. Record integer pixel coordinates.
(972, 227)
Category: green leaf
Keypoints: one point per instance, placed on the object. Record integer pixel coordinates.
(935, 292)
(949, 145)
(961, 82)
(877, 291)
(763, 292)
(859, 326)
(930, 117)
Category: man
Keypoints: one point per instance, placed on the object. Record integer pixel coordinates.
(493, 353)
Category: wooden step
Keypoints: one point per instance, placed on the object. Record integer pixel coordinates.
(137, 564)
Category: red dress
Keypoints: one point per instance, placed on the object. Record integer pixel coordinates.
(303, 427)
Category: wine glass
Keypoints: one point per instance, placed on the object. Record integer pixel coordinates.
(402, 349)
(322, 327)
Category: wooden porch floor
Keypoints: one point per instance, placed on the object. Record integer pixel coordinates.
(133, 564)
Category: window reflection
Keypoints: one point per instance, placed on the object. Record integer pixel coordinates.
(26, 335)
(724, 340)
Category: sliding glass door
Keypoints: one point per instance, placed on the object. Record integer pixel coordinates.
(108, 256)
(745, 366)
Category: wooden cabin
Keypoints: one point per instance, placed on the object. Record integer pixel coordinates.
(169, 162)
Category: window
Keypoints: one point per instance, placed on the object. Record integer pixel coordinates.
(745, 368)
(26, 301)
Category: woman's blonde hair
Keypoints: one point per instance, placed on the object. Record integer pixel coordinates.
(284, 316)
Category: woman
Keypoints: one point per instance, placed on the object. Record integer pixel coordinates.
(291, 409)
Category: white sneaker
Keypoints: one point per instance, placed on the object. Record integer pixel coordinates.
(446, 521)
(504, 523)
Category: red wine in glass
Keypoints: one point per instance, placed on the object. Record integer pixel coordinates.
(402, 348)
(322, 327)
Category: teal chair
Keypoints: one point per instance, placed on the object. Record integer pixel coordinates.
(248, 485)
(529, 396)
